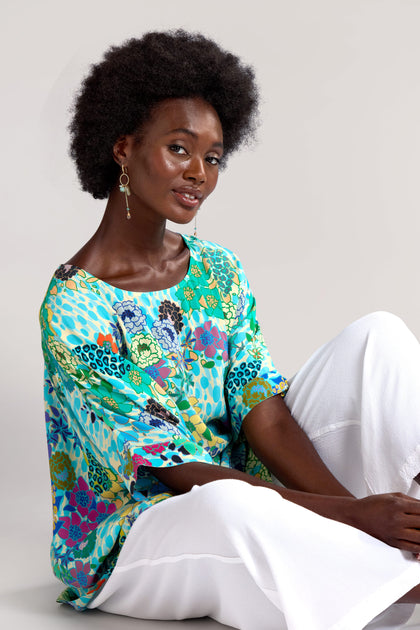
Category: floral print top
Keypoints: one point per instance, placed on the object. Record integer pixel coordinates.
(141, 379)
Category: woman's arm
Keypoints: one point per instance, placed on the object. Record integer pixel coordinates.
(392, 518)
(279, 442)
(183, 477)
(285, 449)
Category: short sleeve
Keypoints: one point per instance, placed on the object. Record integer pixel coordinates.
(252, 376)
(115, 407)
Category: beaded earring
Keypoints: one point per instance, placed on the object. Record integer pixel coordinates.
(125, 188)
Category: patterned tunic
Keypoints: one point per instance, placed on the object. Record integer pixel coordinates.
(141, 379)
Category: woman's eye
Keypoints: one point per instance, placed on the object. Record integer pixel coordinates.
(176, 148)
(211, 159)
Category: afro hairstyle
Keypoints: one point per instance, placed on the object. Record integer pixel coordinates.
(119, 93)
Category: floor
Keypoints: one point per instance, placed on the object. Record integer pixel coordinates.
(28, 588)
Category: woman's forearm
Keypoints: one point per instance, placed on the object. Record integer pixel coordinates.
(279, 442)
(392, 518)
(183, 477)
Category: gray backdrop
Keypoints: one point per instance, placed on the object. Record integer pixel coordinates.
(323, 210)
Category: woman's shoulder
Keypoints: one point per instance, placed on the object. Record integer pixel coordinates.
(73, 289)
(76, 306)
(222, 263)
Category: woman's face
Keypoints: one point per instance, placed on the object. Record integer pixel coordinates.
(173, 166)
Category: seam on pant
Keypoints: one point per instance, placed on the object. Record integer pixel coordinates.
(173, 559)
(333, 427)
(409, 469)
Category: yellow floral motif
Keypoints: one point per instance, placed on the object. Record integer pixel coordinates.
(212, 301)
(256, 391)
(135, 377)
(110, 402)
(196, 271)
(189, 294)
(63, 355)
(145, 350)
(280, 388)
(62, 473)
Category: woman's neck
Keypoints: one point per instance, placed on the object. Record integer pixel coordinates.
(134, 253)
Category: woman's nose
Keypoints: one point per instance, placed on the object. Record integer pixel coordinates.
(196, 171)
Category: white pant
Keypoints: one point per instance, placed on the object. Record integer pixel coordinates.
(252, 560)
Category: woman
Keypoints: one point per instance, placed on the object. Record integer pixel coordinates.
(166, 418)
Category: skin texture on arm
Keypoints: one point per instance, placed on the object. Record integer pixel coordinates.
(279, 442)
(285, 449)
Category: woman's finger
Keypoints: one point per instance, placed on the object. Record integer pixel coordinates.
(406, 545)
(410, 521)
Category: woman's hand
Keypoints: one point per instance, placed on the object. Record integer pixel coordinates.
(393, 518)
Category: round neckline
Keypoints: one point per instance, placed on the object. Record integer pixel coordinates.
(188, 240)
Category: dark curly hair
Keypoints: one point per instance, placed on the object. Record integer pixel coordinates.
(118, 95)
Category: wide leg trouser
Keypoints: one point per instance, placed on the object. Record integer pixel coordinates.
(358, 399)
(254, 561)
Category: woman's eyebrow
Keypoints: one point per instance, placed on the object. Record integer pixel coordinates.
(193, 134)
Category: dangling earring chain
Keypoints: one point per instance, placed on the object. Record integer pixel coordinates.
(125, 188)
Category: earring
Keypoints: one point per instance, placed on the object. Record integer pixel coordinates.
(125, 188)
(195, 225)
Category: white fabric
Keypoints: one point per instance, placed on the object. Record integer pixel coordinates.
(358, 399)
(254, 561)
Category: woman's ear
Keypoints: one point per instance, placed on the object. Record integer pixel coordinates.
(121, 149)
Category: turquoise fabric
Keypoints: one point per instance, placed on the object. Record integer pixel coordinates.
(141, 379)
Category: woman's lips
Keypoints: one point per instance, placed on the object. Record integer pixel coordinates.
(188, 197)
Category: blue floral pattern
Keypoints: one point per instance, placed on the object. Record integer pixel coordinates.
(131, 316)
(164, 331)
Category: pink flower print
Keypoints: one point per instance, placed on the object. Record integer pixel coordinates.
(82, 497)
(73, 529)
(158, 372)
(154, 449)
(139, 460)
(80, 574)
(100, 513)
(223, 345)
(207, 339)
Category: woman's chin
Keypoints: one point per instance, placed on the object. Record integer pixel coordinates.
(182, 220)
